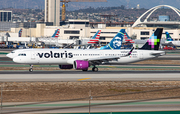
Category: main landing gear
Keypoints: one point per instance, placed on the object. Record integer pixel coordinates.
(31, 68)
(85, 70)
(95, 69)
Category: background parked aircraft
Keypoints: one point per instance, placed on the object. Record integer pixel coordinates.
(20, 32)
(170, 42)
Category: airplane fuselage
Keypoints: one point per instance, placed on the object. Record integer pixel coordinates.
(67, 56)
(173, 43)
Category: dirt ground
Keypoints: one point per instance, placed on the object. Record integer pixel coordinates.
(53, 91)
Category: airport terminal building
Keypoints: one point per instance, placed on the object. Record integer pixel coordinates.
(79, 29)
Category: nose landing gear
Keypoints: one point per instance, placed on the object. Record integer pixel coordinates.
(31, 68)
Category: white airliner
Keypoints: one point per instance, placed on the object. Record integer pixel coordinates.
(81, 59)
(169, 41)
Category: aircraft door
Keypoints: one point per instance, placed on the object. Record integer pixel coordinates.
(101, 54)
(33, 55)
(141, 55)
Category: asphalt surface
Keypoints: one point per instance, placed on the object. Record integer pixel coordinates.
(69, 72)
(75, 76)
(83, 106)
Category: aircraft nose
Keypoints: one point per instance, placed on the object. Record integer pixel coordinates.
(9, 55)
(17, 60)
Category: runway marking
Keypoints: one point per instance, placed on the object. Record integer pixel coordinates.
(83, 79)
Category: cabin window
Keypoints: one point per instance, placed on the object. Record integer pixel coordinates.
(22, 54)
(71, 32)
(144, 33)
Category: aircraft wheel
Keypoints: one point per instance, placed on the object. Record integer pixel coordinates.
(30, 70)
(95, 69)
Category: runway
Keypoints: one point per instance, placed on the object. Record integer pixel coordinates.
(106, 106)
(75, 76)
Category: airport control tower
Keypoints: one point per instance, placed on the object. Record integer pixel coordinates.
(52, 11)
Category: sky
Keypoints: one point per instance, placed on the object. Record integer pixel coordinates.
(128, 3)
(77, 5)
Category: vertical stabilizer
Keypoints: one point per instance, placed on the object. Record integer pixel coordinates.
(116, 42)
(56, 34)
(95, 38)
(154, 41)
(20, 32)
(127, 38)
(168, 37)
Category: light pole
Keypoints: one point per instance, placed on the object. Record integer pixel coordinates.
(1, 96)
(30, 32)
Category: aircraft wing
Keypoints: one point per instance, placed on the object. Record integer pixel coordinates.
(99, 60)
(158, 53)
(167, 43)
(103, 58)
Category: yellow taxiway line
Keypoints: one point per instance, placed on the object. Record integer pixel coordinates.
(83, 79)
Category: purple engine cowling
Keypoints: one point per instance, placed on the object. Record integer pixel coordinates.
(65, 66)
(81, 65)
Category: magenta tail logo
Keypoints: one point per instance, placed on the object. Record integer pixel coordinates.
(153, 41)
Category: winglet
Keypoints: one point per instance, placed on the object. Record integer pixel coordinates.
(129, 52)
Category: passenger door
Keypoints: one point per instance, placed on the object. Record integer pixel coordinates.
(141, 55)
(33, 54)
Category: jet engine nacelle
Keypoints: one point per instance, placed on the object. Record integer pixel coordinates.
(81, 65)
(65, 66)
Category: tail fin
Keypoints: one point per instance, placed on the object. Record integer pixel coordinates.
(168, 37)
(56, 34)
(127, 38)
(20, 32)
(95, 38)
(154, 41)
(116, 42)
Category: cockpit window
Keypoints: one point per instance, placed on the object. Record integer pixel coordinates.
(22, 54)
(12, 52)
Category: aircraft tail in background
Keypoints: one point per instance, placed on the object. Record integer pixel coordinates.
(127, 38)
(168, 37)
(56, 34)
(95, 38)
(154, 41)
(116, 42)
(20, 32)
